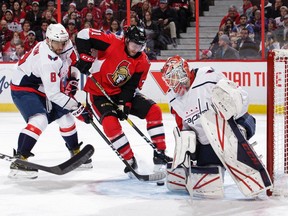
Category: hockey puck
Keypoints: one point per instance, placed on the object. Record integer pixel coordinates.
(160, 183)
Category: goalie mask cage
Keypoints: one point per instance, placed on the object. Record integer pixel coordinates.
(277, 121)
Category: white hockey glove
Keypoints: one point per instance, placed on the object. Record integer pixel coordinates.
(227, 99)
(83, 114)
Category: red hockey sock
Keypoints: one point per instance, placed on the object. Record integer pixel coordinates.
(113, 130)
(155, 127)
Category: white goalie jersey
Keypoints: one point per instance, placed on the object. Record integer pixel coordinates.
(198, 99)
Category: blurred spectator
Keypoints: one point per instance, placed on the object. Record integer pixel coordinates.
(10, 46)
(75, 17)
(247, 48)
(225, 51)
(276, 8)
(30, 42)
(282, 32)
(19, 51)
(115, 28)
(49, 18)
(214, 45)
(105, 4)
(255, 21)
(183, 12)
(53, 12)
(19, 14)
(146, 6)
(247, 8)
(12, 23)
(206, 54)
(166, 19)
(89, 18)
(87, 25)
(135, 19)
(271, 25)
(41, 34)
(280, 20)
(67, 15)
(95, 11)
(35, 16)
(271, 43)
(268, 10)
(243, 23)
(4, 7)
(152, 33)
(80, 4)
(107, 20)
(232, 14)
(228, 27)
(72, 30)
(25, 6)
(26, 28)
(5, 34)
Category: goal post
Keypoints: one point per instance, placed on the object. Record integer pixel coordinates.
(277, 121)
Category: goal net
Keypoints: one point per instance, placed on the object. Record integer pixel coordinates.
(277, 121)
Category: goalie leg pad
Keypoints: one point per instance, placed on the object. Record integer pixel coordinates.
(185, 144)
(206, 182)
(176, 178)
(238, 156)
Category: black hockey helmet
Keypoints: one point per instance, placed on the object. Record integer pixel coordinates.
(136, 34)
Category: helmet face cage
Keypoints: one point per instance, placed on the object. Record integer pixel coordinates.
(175, 72)
(137, 35)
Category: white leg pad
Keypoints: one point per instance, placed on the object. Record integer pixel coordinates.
(206, 182)
(235, 157)
(176, 178)
(185, 142)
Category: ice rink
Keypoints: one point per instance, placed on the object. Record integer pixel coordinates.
(105, 190)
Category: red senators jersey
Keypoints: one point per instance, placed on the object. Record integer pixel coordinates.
(114, 69)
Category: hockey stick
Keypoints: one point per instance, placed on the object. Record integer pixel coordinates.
(127, 119)
(149, 177)
(60, 169)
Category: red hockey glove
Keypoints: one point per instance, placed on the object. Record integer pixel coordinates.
(124, 110)
(83, 114)
(71, 86)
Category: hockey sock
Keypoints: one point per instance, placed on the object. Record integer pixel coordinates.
(70, 136)
(113, 130)
(27, 139)
(155, 127)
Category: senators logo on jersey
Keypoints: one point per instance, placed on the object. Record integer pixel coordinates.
(121, 75)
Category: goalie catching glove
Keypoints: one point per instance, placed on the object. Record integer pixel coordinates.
(83, 113)
(228, 99)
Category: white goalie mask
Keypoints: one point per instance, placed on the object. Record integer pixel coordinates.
(56, 33)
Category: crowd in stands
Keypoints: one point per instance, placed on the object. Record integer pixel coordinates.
(239, 35)
(24, 22)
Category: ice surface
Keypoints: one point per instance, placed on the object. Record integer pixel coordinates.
(105, 190)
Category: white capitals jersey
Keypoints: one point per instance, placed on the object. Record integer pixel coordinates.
(42, 71)
(197, 100)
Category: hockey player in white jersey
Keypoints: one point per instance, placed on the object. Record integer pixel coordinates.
(42, 88)
(199, 158)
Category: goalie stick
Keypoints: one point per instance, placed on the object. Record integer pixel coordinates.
(60, 169)
(148, 177)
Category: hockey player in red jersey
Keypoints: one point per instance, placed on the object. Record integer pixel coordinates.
(38, 91)
(121, 68)
(203, 100)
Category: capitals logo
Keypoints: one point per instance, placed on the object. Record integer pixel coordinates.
(121, 75)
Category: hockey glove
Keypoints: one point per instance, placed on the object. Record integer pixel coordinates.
(124, 110)
(84, 63)
(71, 86)
(83, 114)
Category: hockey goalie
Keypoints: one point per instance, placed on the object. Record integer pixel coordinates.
(213, 127)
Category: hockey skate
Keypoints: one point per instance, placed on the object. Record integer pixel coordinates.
(18, 171)
(87, 165)
(133, 164)
(160, 159)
